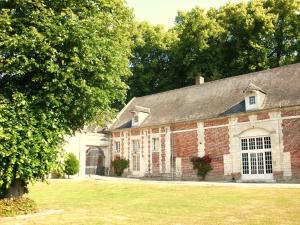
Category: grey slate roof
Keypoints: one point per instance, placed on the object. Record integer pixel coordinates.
(216, 98)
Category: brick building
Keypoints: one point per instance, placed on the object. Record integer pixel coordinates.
(249, 125)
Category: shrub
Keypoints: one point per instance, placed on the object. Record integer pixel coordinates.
(71, 164)
(17, 206)
(119, 166)
(202, 165)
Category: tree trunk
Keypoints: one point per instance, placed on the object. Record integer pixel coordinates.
(16, 190)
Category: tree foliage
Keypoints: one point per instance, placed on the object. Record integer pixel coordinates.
(63, 63)
(150, 59)
(234, 39)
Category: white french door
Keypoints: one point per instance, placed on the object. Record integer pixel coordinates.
(135, 158)
(256, 158)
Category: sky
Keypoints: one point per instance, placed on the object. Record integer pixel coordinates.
(165, 11)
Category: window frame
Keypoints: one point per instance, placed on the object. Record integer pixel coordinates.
(155, 144)
(260, 144)
(133, 146)
(117, 147)
(265, 143)
(252, 100)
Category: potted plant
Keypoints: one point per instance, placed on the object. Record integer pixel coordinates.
(202, 165)
(119, 166)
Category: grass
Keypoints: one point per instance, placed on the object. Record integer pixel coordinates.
(110, 202)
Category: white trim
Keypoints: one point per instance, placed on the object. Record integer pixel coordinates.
(290, 117)
(182, 131)
(219, 126)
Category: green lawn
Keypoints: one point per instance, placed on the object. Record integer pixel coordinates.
(111, 202)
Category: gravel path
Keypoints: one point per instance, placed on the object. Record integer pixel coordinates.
(198, 183)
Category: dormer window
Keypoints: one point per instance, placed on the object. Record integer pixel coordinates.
(254, 97)
(139, 114)
(136, 119)
(252, 100)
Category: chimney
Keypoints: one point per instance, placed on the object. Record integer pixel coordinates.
(199, 80)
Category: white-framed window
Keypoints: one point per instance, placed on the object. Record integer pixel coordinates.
(256, 155)
(256, 143)
(117, 147)
(252, 100)
(135, 146)
(155, 144)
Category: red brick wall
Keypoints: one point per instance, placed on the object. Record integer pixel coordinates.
(218, 122)
(187, 167)
(185, 146)
(290, 112)
(244, 118)
(263, 116)
(163, 152)
(154, 130)
(216, 145)
(135, 132)
(155, 163)
(116, 134)
(184, 126)
(185, 143)
(291, 142)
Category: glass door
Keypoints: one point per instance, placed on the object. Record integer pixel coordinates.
(256, 158)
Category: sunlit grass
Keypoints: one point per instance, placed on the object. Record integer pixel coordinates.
(111, 202)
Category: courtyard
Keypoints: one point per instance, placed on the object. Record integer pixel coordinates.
(130, 201)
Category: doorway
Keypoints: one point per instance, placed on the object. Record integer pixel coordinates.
(256, 158)
(94, 163)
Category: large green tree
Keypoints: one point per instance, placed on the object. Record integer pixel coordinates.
(285, 40)
(245, 43)
(150, 59)
(197, 51)
(231, 40)
(63, 63)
